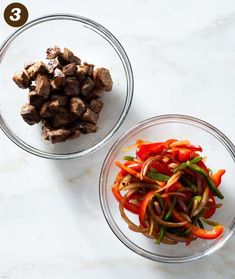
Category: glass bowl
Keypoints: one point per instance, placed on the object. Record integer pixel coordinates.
(220, 153)
(90, 41)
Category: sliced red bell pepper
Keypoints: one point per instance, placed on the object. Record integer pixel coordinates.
(162, 167)
(132, 165)
(203, 166)
(182, 155)
(206, 234)
(145, 151)
(133, 172)
(134, 208)
(216, 177)
(210, 209)
(198, 232)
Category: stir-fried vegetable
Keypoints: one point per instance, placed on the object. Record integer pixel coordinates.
(169, 187)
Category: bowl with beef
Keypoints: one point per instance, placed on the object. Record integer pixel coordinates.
(68, 86)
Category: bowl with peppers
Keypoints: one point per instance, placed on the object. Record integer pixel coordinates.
(166, 188)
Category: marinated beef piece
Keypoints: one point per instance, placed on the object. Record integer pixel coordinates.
(96, 105)
(87, 68)
(72, 87)
(87, 128)
(46, 123)
(22, 79)
(87, 86)
(61, 119)
(64, 95)
(49, 109)
(53, 52)
(28, 65)
(70, 69)
(59, 79)
(52, 65)
(103, 79)
(42, 86)
(68, 57)
(77, 106)
(80, 75)
(62, 100)
(36, 68)
(35, 99)
(90, 116)
(94, 94)
(75, 133)
(30, 114)
(59, 135)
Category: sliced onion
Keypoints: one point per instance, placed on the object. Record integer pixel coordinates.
(146, 165)
(173, 194)
(173, 165)
(182, 205)
(179, 238)
(125, 181)
(199, 184)
(204, 200)
(157, 208)
(179, 143)
(166, 240)
(186, 216)
(175, 177)
(137, 185)
(130, 224)
(169, 224)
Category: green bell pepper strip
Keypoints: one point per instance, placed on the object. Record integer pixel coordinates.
(161, 234)
(210, 222)
(209, 181)
(169, 213)
(184, 165)
(153, 174)
(128, 158)
(184, 180)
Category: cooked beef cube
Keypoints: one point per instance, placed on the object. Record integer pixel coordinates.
(69, 70)
(53, 52)
(32, 87)
(60, 119)
(87, 86)
(103, 79)
(87, 68)
(35, 99)
(96, 105)
(87, 128)
(28, 65)
(52, 65)
(80, 75)
(22, 79)
(72, 87)
(36, 68)
(77, 106)
(59, 79)
(75, 133)
(49, 109)
(68, 57)
(42, 86)
(62, 100)
(59, 135)
(46, 123)
(90, 116)
(94, 94)
(30, 114)
(45, 135)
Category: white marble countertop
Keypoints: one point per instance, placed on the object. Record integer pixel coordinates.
(53, 227)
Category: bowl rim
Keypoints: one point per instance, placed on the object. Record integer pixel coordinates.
(115, 44)
(166, 118)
